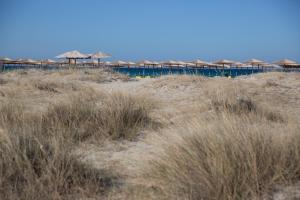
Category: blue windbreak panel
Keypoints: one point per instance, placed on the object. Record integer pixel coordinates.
(190, 71)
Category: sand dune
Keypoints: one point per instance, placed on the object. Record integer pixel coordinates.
(172, 137)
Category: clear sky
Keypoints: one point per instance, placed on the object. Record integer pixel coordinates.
(152, 29)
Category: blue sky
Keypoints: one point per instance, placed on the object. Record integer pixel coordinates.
(152, 29)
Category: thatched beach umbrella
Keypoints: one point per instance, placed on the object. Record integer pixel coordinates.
(154, 63)
(48, 61)
(144, 63)
(239, 64)
(107, 64)
(25, 61)
(99, 55)
(72, 55)
(190, 64)
(170, 63)
(181, 63)
(131, 63)
(19, 60)
(224, 62)
(268, 65)
(287, 63)
(5, 59)
(254, 62)
(200, 63)
(29, 61)
(119, 63)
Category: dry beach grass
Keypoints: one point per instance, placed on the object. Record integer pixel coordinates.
(75, 134)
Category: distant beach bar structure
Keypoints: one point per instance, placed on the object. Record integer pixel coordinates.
(72, 56)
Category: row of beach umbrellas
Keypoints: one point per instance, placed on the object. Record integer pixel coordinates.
(170, 63)
(73, 56)
(199, 63)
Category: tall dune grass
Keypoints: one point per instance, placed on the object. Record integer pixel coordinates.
(227, 138)
(36, 159)
(242, 151)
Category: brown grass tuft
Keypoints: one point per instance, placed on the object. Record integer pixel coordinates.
(117, 116)
(236, 100)
(3, 81)
(230, 158)
(240, 148)
(46, 86)
(34, 165)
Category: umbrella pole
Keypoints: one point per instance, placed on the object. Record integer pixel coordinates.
(223, 69)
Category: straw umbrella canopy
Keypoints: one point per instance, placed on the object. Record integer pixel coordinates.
(190, 64)
(5, 60)
(296, 65)
(266, 65)
(224, 62)
(72, 55)
(99, 55)
(107, 63)
(18, 61)
(25, 61)
(286, 63)
(131, 64)
(212, 64)
(181, 63)
(154, 63)
(170, 63)
(144, 63)
(254, 62)
(239, 64)
(200, 63)
(29, 61)
(48, 61)
(119, 63)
